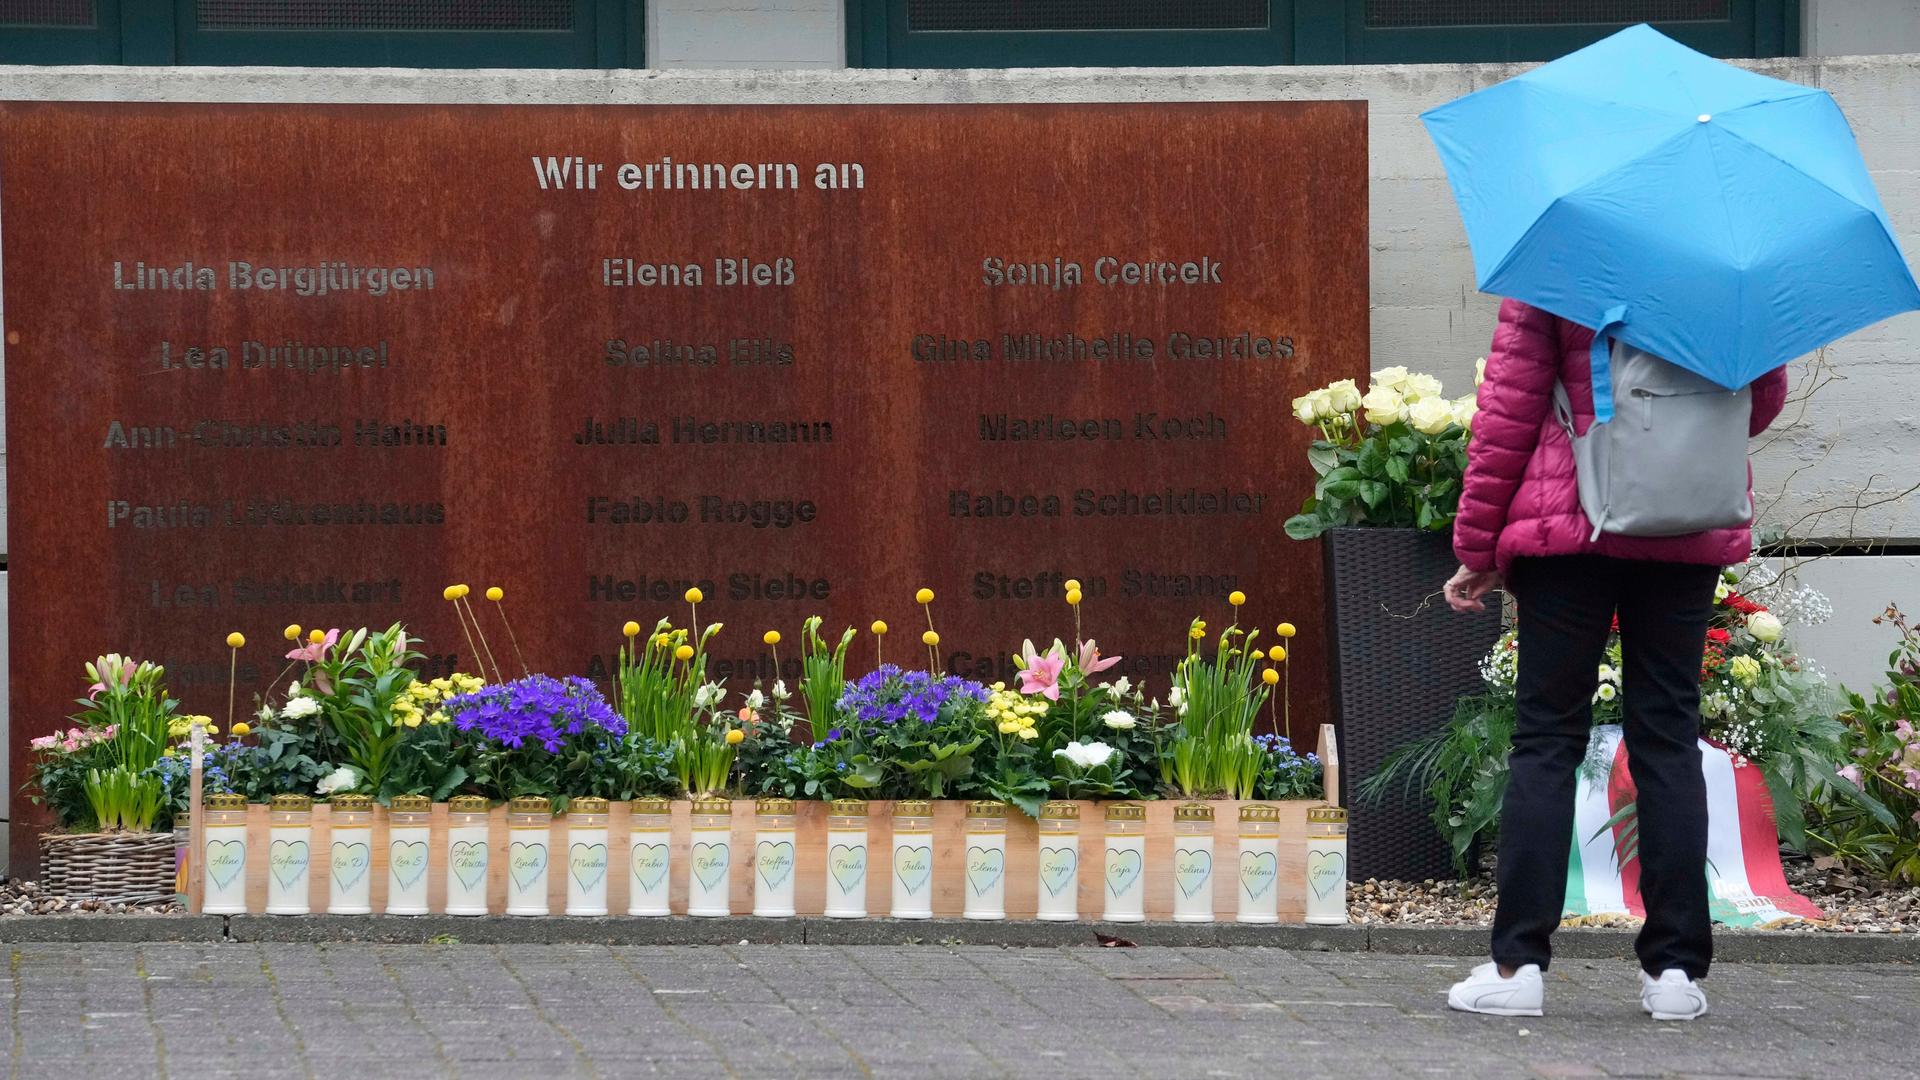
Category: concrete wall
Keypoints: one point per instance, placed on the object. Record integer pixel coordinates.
(1859, 27)
(746, 34)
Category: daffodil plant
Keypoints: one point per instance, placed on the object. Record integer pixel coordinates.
(1217, 699)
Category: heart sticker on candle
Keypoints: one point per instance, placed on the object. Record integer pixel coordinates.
(588, 863)
(709, 864)
(225, 860)
(468, 861)
(1123, 869)
(350, 862)
(526, 862)
(775, 863)
(1257, 873)
(1325, 871)
(1056, 868)
(288, 860)
(649, 865)
(407, 860)
(848, 865)
(1191, 870)
(984, 866)
(913, 866)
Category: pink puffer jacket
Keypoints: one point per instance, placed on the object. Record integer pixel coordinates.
(1520, 496)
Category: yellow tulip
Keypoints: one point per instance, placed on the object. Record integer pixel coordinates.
(694, 596)
(236, 640)
(316, 636)
(1285, 629)
(632, 629)
(1236, 598)
(771, 637)
(1073, 597)
(1270, 677)
(930, 638)
(684, 652)
(242, 728)
(292, 632)
(924, 596)
(879, 628)
(496, 593)
(735, 737)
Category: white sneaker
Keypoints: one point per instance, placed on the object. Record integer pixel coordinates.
(1485, 991)
(1672, 996)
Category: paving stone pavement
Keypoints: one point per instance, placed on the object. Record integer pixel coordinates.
(541, 1012)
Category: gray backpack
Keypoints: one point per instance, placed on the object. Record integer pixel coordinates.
(1672, 461)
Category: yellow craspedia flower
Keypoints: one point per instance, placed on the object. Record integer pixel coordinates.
(463, 591)
(1073, 597)
(930, 638)
(1236, 598)
(495, 592)
(292, 632)
(694, 596)
(1270, 677)
(316, 636)
(1071, 584)
(1285, 629)
(879, 628)
(924, 596)
(241, 729)
(1277, 653)
(451, 592)
(632, 629)
(236, 640)
(684, 652)
(771, 637)
(735, 737)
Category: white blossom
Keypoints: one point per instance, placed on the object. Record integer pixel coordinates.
(340, 779)
(1119, 720)
(1086, 755)
(300, 708)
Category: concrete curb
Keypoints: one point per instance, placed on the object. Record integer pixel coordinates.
(1593, 943)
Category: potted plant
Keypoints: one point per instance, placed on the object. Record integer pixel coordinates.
(1389, 465)
(98, 778)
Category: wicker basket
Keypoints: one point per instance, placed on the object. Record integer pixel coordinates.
(118, 867)
(1400, 658)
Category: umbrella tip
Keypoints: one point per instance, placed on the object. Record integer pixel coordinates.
(1704, 117)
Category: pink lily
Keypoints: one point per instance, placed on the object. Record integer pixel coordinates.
(314, 652)
(1091, 662)
(1042, 673)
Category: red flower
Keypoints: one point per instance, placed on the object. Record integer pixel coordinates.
(1743, 605)
(1718, 636)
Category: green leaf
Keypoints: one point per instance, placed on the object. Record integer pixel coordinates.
(1398, 468)
(1323, 457)
(1305, 526)
(1373, 493)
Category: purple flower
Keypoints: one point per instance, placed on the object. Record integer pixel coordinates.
(888, 695)
(537, 709)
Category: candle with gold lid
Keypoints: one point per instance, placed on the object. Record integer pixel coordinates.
(1257, 886)
(350, 850)
(986, 861)
(587, 856)
(289, 854)
(223, 862)
(710, 859)
(1326, 865)
(1059, 862)
(529, 829)
(847, 859)
(649, 856)
(469, 855)
(774, 843)
(1193, 862)
(409, 832)
(1125, 865)
(913, 859)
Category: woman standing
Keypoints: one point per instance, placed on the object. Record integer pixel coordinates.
(1520, 522)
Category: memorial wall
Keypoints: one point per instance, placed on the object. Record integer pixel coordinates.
(273, 364)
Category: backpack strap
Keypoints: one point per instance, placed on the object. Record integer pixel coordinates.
(1563, 409)
(1601, 362)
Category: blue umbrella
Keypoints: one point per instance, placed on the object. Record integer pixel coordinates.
(1711, 216)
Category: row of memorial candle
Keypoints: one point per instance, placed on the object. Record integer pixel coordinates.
(710, 859)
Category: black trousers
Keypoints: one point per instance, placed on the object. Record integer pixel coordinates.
(1567, 605)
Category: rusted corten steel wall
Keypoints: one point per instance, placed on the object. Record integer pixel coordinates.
(273, 364)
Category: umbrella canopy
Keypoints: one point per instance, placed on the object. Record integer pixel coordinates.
(1717, 218)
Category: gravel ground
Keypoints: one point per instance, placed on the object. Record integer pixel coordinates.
(1853, 904)
(27, 898)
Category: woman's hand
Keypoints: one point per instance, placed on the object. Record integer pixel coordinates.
(1465, 588)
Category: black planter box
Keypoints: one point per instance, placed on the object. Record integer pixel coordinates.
(1399, 659)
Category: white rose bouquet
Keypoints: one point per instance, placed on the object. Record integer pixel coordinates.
(1390, 457)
